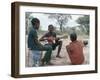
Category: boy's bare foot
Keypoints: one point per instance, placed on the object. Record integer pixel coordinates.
(58, 56)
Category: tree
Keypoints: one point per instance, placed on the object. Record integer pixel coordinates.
(84, 23)
(28, 18)
(61, 19)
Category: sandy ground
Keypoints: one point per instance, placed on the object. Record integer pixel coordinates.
(58, 61)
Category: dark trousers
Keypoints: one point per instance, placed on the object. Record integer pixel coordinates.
(48, 49)
(57, 43)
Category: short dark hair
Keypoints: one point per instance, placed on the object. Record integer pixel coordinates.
(51, 26)
(35, 20)
(73, 36)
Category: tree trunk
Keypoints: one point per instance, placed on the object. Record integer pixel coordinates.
(61, 28)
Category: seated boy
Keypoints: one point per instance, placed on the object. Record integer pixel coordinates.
(75, 50)
(52, 39)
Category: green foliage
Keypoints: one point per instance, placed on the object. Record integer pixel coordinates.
(84, 23)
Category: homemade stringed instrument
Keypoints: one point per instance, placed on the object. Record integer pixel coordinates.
(52, 39)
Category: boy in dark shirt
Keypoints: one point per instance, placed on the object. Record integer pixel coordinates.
(35, 45)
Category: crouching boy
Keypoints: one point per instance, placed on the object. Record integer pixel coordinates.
(75, 50)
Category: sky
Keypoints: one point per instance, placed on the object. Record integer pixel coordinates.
(45, 21)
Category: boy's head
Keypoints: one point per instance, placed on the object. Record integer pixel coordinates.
(51, 28)
(35, 23)
(73, 37)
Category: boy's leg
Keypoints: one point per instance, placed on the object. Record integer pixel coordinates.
(59, 44)
(47, 57)
(36, 57)
(48, 49)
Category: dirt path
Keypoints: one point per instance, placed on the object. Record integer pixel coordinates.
(59, 61)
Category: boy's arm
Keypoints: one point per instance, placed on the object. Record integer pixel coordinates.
(68, 49)
(35, 39)
(43, 38)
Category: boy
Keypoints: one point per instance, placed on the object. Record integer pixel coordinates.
(75, 50)
(50, 36)
(34, 45)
